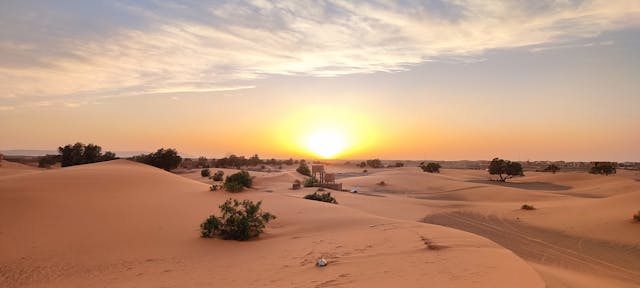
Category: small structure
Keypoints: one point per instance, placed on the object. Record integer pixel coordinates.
(296, 185)
(325, 180)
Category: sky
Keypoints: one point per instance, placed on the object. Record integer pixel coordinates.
(435, 79)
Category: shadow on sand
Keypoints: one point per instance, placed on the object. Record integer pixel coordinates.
(526, 185)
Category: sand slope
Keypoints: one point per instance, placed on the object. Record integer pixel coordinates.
(123, 224)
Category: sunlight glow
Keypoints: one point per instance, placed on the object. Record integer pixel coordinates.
(326, 143)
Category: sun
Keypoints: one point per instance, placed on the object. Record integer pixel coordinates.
(326, 143)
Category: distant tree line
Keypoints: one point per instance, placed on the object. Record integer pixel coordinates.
(78, 154)
(605, 168)
(237, 162)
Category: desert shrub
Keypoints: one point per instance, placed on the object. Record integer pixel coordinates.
(381, 183)
(205, 172)
(48, 161)
(605, 168)
(304, 169)
(215, 187)
(241, 177)
(167, 159)
(553, 168)
(527, 207)
(233, 187)
(78, 154)
(310, 182)
(637, 216)
(431, 167)
(505, 169)
(218, 175)
(399, 164)
(239, 221)
(365, 171)
(324, 197)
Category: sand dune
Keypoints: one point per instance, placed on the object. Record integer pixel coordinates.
(8, 168)
(123, 224)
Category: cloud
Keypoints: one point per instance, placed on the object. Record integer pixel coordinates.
(167, 47)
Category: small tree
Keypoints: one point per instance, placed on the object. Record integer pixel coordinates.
(239, 221)
(505, 169)
(605, 168)
(304, 169)
(238, 181)
(205, 172)
(167, 159)
(431, 167)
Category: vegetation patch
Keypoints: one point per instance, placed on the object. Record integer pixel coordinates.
(604, 168)
(303, 169)
(205, 172)
(167, 159)
(218, 175)
(324, 197)
(527, 207)
(238, 181)
(310, 182)
(239, 221)
(505, 169)
(431, 167)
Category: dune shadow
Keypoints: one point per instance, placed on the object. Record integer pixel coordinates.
(526, 185)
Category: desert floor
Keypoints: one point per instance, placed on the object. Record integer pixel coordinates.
(124, 224)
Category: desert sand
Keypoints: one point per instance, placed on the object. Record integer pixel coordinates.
(124, 224)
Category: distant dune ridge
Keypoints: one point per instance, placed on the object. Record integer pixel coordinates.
(125, 224)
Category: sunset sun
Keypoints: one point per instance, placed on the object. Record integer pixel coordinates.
(326, 143)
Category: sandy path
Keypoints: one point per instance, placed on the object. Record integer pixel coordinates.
(551, 248)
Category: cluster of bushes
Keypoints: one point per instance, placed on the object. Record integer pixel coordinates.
(167, 159)
(78, 154)
(238, 181)
(49, 160)
(605, 168)
(430, 167)
(303, 168)
(237, 162)
(505, 169)
(239, 221)
(324, 197)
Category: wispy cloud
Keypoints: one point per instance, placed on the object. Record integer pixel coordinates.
(168, 47)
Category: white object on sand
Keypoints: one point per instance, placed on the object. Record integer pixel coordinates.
(321, 262)
(354, 189)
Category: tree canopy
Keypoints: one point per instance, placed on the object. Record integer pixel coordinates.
(505, 169)
(78, 154)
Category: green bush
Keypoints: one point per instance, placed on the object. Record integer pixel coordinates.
(324, 197)
(431, 167)
(239, 221)
(205, 172)
(218, 175)
(310, 182)
(236, 182)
